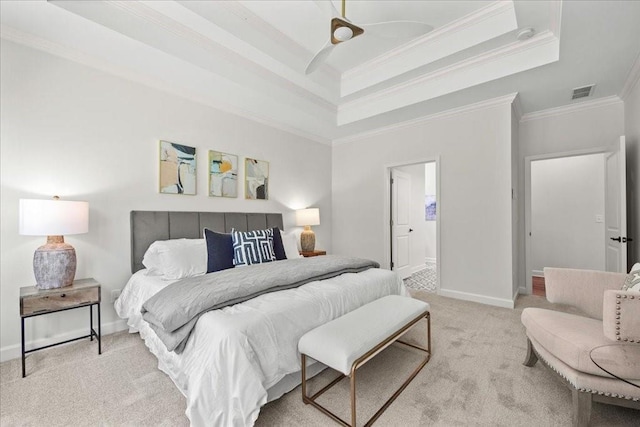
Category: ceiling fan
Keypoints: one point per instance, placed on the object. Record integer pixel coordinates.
(343, 30)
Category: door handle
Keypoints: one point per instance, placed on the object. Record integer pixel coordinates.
(617, 239)
(410, 230)
(627, 239)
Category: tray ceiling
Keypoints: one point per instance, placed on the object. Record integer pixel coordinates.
(249, 57)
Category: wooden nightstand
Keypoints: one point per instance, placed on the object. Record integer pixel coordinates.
(36, 302)
(312, 253)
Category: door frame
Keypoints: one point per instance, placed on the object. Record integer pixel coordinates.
(527, 202)
(386, 210)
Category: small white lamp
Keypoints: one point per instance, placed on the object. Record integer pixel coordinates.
(307, 218)
(54, 264)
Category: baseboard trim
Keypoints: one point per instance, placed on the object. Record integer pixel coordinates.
(537, 273)
(482, 299)
(417, 268)
(521, 291)
(14, 351)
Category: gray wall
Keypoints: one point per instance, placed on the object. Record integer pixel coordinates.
(82, 134)
(575, 130)
(566, 196)
(632, 132)
(474, 148)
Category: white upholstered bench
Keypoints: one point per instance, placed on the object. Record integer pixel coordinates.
(348, 342)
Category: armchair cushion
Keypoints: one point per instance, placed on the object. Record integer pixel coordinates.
(571, 338)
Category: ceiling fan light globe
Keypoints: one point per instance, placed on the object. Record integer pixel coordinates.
(343, 34)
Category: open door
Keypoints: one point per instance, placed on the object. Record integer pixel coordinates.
(400, 230)
(616, 208)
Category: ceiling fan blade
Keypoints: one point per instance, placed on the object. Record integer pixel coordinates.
(395, 29)
(327, 7)
(319, 57)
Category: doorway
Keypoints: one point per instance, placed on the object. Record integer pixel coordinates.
(412, 223)
(575, 211)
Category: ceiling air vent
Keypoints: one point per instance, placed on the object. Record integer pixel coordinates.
(582, 92)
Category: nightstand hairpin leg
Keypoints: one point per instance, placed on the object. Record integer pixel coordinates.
(22, 335)
(99, 332)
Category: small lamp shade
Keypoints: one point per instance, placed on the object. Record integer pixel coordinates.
(306, 218)
(54, 264)
(309, 216)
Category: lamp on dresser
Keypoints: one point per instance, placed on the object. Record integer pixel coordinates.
(54, 264)
(306, 218)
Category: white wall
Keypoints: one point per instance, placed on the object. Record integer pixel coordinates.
(475, 206)
(632, 133)
(566, 196)
(70, 130)
(430, 186)
(586, 128)
(517, 244)
(417, 223)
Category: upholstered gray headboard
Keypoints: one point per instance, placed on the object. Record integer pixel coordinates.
(149, 226)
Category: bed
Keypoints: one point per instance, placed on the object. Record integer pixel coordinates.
(242, 356)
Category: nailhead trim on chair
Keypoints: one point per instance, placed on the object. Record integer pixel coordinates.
(618, 316)
(586, 390)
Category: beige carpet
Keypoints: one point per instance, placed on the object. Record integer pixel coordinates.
(475, 377)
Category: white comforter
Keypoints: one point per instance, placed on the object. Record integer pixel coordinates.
(237, 353)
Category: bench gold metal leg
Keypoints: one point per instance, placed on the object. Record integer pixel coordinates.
(361, 361)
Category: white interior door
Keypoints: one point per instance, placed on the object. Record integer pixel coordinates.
(616, 208)
(400, 230)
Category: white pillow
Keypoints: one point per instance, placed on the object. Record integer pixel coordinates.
(176, 259)
(290, 243)
(632, 282)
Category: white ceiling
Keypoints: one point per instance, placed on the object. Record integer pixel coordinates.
(249, 57)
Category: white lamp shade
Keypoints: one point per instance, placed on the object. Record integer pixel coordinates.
(309, 216)
(53, 217)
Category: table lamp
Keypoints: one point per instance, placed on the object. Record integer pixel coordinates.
(307, 218)
(54, 264)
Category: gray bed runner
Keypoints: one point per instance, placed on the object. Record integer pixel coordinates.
(173, 312)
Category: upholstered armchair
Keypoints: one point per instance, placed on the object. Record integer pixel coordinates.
(597, 353)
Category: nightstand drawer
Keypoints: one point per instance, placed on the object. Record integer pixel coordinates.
(59, 300)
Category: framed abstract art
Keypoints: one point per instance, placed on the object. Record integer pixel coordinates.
(177, 168)
(256, 179)
(223, 174)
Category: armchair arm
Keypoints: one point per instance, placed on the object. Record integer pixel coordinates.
(621, 315)
(583, 289)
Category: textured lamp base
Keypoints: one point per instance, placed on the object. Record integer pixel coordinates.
(54, 264)
(307, 239)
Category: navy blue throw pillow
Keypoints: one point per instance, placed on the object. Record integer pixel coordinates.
(219, 250)
(278, 246)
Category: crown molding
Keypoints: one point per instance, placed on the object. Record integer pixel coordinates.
(510, 49)
(450, 29)
(517, 107)
(555, 17)
(540, 41)
(632, 79)
(480, 26)
(482, 105)
(572, 108)
(56, 49)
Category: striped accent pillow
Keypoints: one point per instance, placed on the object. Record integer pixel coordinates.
(252, 247)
